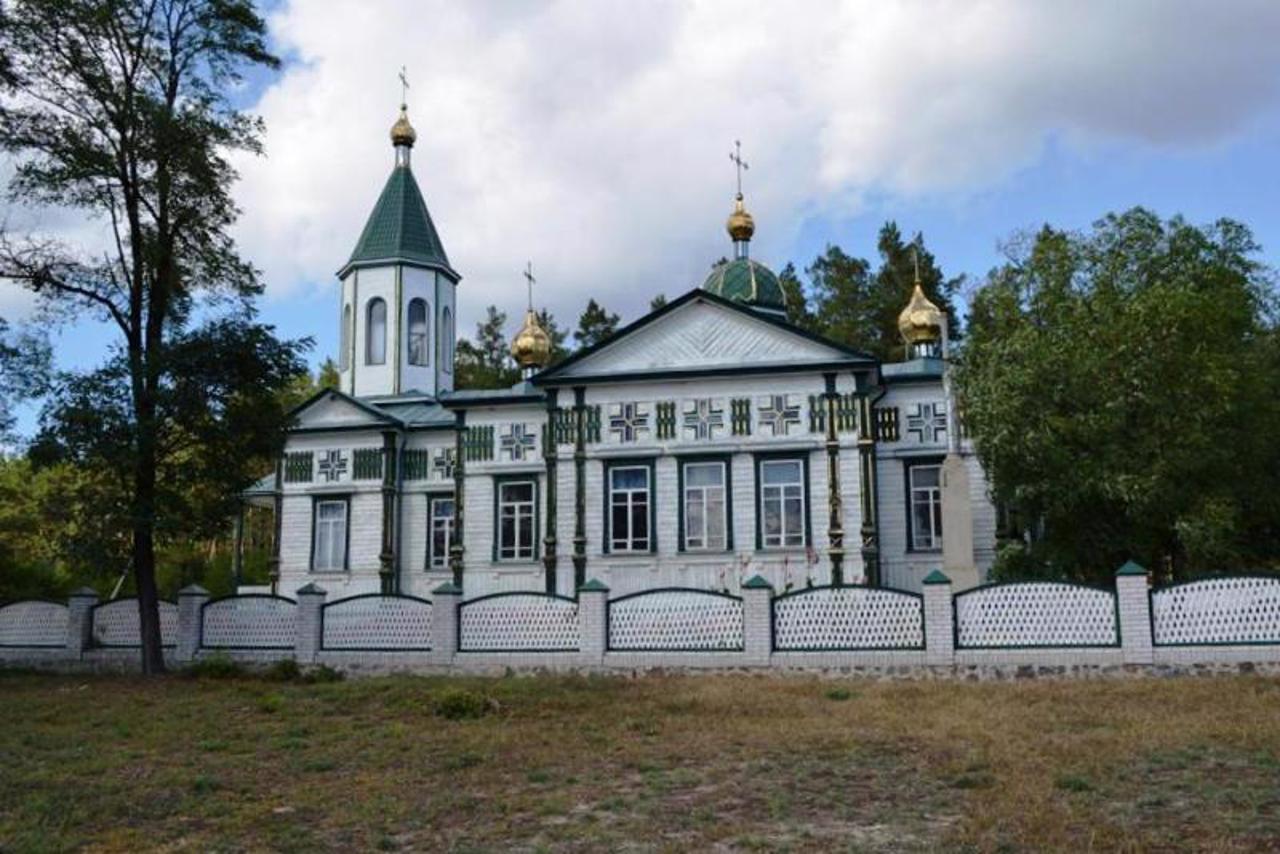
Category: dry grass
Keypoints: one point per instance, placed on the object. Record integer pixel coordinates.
(705, 763)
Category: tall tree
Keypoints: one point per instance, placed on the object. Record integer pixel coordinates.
(594, 325)
(657, 302)
(486, 362)
(119, 109)
(842, 300)
(1120, 385)
(25, 369)
(557, 335)
(327, 376)
(798, 311)
(891, 290)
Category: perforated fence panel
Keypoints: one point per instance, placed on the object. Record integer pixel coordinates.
(116, 624)
(249, 622)
(377, 623)
(518, 622)
(676, 620)
(1035, 614)
(836, 618)
(33, 623)
(1228, 610)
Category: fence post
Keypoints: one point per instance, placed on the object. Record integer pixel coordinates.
(757, 620)
(593, 621)
(80, 620)
(310, 624)
(939, 621)
(445, 600)
(1133, 603)
(191, 601)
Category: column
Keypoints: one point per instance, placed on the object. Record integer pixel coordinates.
(835, 505)
(1133, 605)
(310, 624)
(593, 621)
(757, 620)
(445, 600)
(550, 444)
(273, 565)
(191, 601)
(456, 548)
(387, 563)
(80, 620)
(579, 486)
(939, 621)
(870, 499)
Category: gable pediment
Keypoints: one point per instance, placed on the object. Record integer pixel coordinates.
(703, 334)
(330, 410)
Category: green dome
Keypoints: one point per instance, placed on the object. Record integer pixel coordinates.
(747, 281)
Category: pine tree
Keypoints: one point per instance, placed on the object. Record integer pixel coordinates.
(594, 325)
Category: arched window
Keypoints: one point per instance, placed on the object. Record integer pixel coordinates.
(375, 341)
(344, 336)
(446, 339)
(419, 354)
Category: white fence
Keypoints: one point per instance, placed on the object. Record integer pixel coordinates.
(376, 623)
(675, 619)
(519, 622)
(1222, 621)
(33, 623)
(1212, 611)
(823, 619)
(252, 621)
(116, 623)
(1035, 614)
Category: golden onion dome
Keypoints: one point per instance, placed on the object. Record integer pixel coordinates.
(532, 345)
(402, 133)
(921, 321)
(740, 225)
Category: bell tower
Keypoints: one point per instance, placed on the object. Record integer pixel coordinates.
(398, 308)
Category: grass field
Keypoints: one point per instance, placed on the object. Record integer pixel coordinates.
(659, 763)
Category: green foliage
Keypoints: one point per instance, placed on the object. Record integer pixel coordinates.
(557, 335)
(486, 362)
(216, 666)
(456, 704)
(25, 367)
(657, 302)
(594, 325)
(284, 670)
(1121, 388)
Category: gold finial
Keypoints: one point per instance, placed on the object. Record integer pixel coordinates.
(531, 347)
(402, 133)
(921, 321)
(740, 225)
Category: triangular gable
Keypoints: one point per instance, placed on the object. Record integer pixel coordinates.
(333, 410)
(703, 333)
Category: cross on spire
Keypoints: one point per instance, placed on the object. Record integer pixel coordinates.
(404, 87)
(528, 275)
(915, 258)
(739, 163)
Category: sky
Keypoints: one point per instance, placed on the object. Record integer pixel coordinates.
(591, 138)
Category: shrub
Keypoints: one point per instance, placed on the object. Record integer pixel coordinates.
(323, 673)
(839, 694)
(216, 666)
(284, 670)
(458, 704)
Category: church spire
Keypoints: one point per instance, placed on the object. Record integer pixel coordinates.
(531, 348)
(740, 225)
(403, 136)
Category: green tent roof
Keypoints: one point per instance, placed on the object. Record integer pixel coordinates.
(747, 281)
(400, 228)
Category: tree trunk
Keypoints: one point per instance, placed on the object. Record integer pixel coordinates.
(144, 551)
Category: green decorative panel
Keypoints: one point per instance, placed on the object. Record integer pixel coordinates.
(847, 413)
(297, 467)
(562, 426)
(887, 424)
(667, 420)
(740, 416)
(817, 414)
(477, 443)
(417, 464)
(367, 464)
(593, 423)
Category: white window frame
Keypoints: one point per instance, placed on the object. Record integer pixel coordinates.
(424, 331)
(523, 511)
(369, 338)
(783, 538)
(322, 527)
(629, 542)
(438, 562)
(930, 495)
(697, 496)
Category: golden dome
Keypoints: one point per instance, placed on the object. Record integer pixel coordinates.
(402, 133)
(921, 321)
(532, 345)
(740, 225)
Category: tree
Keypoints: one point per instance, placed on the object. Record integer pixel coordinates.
(842, 302)
(798, 312)
(486, 362)
(556, 334)
(594, 325)
(1120, 385)
(892, 286)
(119, 110)
(657, 302)
(25, 366)
(328, 376)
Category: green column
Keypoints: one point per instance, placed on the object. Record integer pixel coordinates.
(835, 504)
(580, 485)
(870, 500)
(387, 554)
(459, 482)
(549, 449)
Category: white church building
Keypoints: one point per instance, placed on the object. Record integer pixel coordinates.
(705, 443)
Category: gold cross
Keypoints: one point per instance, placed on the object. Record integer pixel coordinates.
(404, 86)
(528, 275)
(736, 157)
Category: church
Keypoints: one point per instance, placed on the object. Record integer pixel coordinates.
(708, 442)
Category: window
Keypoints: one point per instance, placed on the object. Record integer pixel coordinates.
(418, 338)
(705, 516)
(375, 343)
(782, 503)
(440, 526)
(517, 524)
(446, 340)
(344, 351)
(924, 506)
(629, 508)
(329, 550)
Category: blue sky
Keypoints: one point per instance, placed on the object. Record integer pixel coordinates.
(548, 133)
